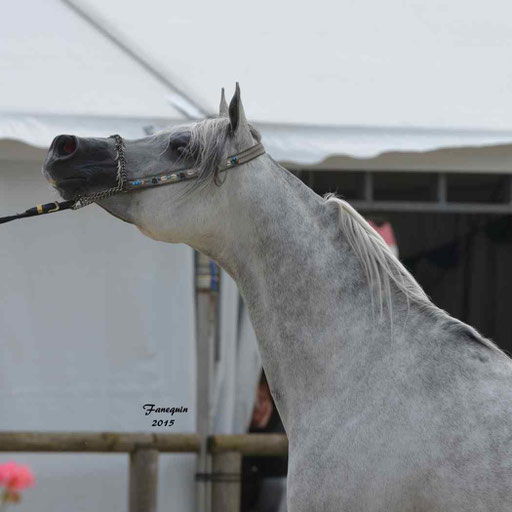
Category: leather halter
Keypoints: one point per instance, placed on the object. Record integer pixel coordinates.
(189, 174)
(125, 185)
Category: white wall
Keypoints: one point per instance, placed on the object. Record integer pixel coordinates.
(95, 321)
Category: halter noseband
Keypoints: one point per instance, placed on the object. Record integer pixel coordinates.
(125, 185)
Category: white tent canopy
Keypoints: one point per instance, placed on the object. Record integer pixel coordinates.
(350, 78)
(304, 145)
(417, 63)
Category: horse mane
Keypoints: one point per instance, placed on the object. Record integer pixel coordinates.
(384, 271)
(207, 147)
(380, 265)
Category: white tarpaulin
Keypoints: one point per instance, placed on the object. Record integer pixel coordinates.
(320, 79)
(96, 320)
(416, 63)
(286, 143)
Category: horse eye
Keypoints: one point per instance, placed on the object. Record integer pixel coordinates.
(179, 142)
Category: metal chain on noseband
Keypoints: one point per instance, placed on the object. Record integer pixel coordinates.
(121, 178)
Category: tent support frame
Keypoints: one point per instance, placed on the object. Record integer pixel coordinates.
(444, 195)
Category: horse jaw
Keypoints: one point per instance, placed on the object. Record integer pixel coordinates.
(124, 215)
(170, 214)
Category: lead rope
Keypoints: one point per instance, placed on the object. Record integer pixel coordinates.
(39, 210)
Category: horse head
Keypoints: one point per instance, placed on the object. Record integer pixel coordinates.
(81, 167)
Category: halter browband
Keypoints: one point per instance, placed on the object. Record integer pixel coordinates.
(125, 185)
(189, 174)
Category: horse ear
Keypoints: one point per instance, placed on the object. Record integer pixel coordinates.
(236, 111)
(223, 107)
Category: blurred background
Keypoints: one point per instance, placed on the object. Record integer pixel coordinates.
(402, 107)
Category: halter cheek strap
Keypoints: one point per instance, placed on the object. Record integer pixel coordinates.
(125, 185)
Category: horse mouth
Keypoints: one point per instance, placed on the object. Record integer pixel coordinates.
(67, 181)
(69, 188)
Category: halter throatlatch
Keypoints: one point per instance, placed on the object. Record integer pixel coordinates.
(125, 185)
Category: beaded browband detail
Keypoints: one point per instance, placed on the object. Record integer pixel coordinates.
(187, 174)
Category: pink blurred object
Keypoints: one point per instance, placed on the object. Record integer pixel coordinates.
(386, 232)
(14, 477)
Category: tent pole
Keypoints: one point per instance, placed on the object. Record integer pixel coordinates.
(113, 35)
(207, 286)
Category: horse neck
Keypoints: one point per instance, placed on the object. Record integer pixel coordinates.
(304, 289)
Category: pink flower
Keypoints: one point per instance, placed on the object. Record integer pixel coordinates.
(15, 477)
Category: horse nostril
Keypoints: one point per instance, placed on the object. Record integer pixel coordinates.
(65, 145)
(69, 147)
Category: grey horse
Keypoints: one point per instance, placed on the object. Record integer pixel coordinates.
(389, 403)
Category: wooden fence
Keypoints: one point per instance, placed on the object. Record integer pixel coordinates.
(143, 448)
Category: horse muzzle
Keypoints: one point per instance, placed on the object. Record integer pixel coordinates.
(76, 165)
